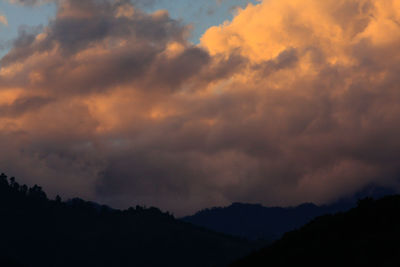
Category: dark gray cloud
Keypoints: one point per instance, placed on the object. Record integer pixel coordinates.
(138, 3)
(31, 2)
(22, 105)
(115, 105)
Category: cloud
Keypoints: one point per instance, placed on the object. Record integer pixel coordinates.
(292, 101)
(3, 20)
(31, 2)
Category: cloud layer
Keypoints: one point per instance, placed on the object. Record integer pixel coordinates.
(292, 101)
(30, 2)
(3, 20)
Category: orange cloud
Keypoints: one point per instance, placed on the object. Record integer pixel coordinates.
(3, 20)
(292, 101)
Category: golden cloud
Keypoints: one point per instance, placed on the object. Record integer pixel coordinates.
(291, 101)
(3, 20)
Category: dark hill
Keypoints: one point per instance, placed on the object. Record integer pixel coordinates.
(254, 221)
(368, 235)
(36, 231)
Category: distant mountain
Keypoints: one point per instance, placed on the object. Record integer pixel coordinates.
(36, 231)
(368, 235)
(254, 221)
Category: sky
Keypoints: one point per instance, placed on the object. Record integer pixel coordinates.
(194, 104)
(201, 15)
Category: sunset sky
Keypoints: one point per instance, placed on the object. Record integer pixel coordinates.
(187, 104)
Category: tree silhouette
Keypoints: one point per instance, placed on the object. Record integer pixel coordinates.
(36, 231)
(3, 179)
(24, 189)
(37, 192)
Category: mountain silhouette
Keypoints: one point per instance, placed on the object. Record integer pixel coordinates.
(368, 235)
(36, 231)
(254, 221)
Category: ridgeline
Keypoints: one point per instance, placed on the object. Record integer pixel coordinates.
(37, 231)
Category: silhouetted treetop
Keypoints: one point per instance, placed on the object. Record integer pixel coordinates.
(37, 231)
